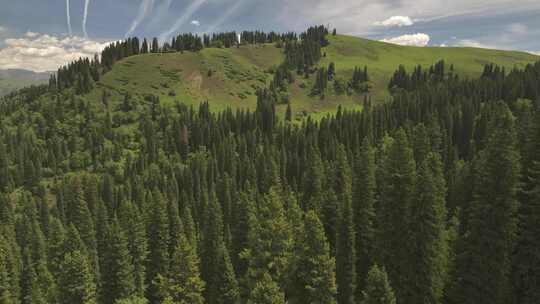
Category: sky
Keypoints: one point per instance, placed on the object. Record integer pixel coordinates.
(41, 35)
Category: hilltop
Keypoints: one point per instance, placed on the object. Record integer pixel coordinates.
(229, 77)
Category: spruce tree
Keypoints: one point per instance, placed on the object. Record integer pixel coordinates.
(483, 264)
(158, 238)
(397, 189)
(30, 291)
(266, 291)
(270, 241)
(184, 284)
(364, 188)
(429, 236)
(314, 280)
(76, 282)
(526, 261)
(133, 226)
(378, 289)
(217, 270)
(81, 218)
(345, 245)
(117, 273)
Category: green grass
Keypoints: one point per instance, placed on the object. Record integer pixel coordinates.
(237, 72)
(382, 59)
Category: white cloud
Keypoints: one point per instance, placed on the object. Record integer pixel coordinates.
(30, 34)
(41, 53)
(475, 44)
(396, 21)
(2, 29)
(419, 39)
(196, 22)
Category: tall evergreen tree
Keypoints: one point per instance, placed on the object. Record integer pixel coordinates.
(30, 291)
(117, 275)
(526, 266)
(133, 227)
(429, 236)
(217, 270)
(269, 241)
(397, 189)
(266, 291)
(345, 245)
(483, 268)
(76, 281)
(158, 237)
(315, 279)
(378, 289)
(183, 284)
(364, 188)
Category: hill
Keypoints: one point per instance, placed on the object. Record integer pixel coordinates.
(228, 77)
(13, 79)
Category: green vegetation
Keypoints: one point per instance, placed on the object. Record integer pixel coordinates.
(230, 77)
(119, 195)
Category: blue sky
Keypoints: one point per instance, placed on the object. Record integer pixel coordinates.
(34, 34)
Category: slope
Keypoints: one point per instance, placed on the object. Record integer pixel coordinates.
(230, 77)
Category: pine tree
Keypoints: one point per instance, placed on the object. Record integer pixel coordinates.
(30, 291)
(526, 268)
(76, 282)
(364, 211)
(483, 264)
(133, 226)
(315, 279)
(266, 291)
(429, 238)
(117, 273)
(184, 285)
(5, 283)
(378, 290)
(158, 237)
(55, 244)
(313, 183)
(397, 189)
(81, 218)
(345, 245)
(217, 270)
(269, 241)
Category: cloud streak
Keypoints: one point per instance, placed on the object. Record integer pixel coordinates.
(68, 15)
(419, 39)
(188, 13)
(225, 16)
(145, 9)
(85, 17)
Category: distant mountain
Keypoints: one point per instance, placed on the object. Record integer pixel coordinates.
(14, 79)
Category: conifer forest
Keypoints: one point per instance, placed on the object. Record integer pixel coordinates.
(432, 197)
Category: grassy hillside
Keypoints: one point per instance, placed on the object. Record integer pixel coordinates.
(11, 80)
(236, 73)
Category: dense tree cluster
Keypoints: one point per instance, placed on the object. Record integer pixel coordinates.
(421, 77)
(430, 198)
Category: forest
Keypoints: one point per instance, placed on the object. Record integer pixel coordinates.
(432, 197)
